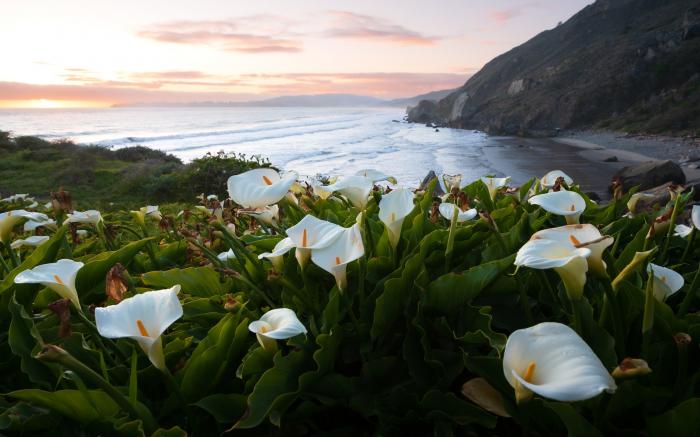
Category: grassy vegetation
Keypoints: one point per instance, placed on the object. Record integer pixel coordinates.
(105, 178)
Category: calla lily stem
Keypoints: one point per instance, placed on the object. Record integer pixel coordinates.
(55, 354)
(690, 294)
(611, 306)
(691, 240)
(671, 227)
(451, 240)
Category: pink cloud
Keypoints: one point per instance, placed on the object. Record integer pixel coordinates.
(359, 26)
(503, 15)
(227, 34)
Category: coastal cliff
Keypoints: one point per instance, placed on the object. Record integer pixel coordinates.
(630, 65)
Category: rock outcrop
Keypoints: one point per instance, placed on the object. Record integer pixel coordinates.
(649, 175)
(621, 64)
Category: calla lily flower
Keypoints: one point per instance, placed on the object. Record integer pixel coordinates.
(376, 176)
(587, 236)
(493, 184)
(638, 260)
(551, 360)
(312, 233)
(260, 187)
(17, 197)
(59, 277)
(550, 179)
(355, 188)
(666, 281)
(276, 324)
(149, 212)
(683, 230)
(447, 209)
(275, 257)
(225, 256)
(90, 216)
(451, 181)
(268, 215)
(144, 318)
(566, 203)
(565, 258)
(31, 225)
(393, 209)
(9, 219)
(634, 199)
(33, 241)
(334, 258)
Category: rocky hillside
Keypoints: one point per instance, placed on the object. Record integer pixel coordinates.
(622, 64)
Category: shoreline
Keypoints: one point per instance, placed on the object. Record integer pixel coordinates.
(591, 158)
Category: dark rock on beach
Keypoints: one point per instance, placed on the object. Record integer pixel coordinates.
(649, 175)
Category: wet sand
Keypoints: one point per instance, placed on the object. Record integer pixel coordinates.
(523, 158)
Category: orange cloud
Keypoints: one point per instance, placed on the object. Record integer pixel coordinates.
(358, 26)
(226, 34)
(233, 88)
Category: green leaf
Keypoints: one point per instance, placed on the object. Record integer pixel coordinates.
(25, 341)
(574, 422)
(93, 273)
(681, 421)
(224, 407)
(197, 281)
(450, 292)
(215, 356)
(93, 407)
(280, 379)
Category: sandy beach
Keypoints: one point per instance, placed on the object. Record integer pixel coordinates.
(583, 156)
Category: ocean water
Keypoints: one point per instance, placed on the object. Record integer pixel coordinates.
(311, 141)
(333, 141)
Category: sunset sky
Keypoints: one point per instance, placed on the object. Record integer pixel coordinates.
(98, 53)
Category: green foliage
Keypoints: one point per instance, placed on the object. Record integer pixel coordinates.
(387, 355)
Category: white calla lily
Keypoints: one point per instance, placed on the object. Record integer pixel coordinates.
(33, 241)
(695, 216)
(91, 216)
(581, 236)
(569, 204)
(10, 219)
(17, 197)
(312, 233)
(276, 324)
(355, 188)
(634, 199)
(551, 360)
(447, 209)
(493, 184)
(682, 231)
(393, 209)
(451, 181)
(334, 258)
(149, 212)
(59, 277)
(565, 258)
(31, 225)
(268, 215)
(225, 256)
(550, 179)
(376, 176)
(144, 318)
(260, 187)
(275, 257)
(666, 281)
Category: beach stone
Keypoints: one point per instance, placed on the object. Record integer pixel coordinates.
(427, 179)
(649, 175)
(611, 159)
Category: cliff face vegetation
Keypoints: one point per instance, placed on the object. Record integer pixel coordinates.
(623, 64)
